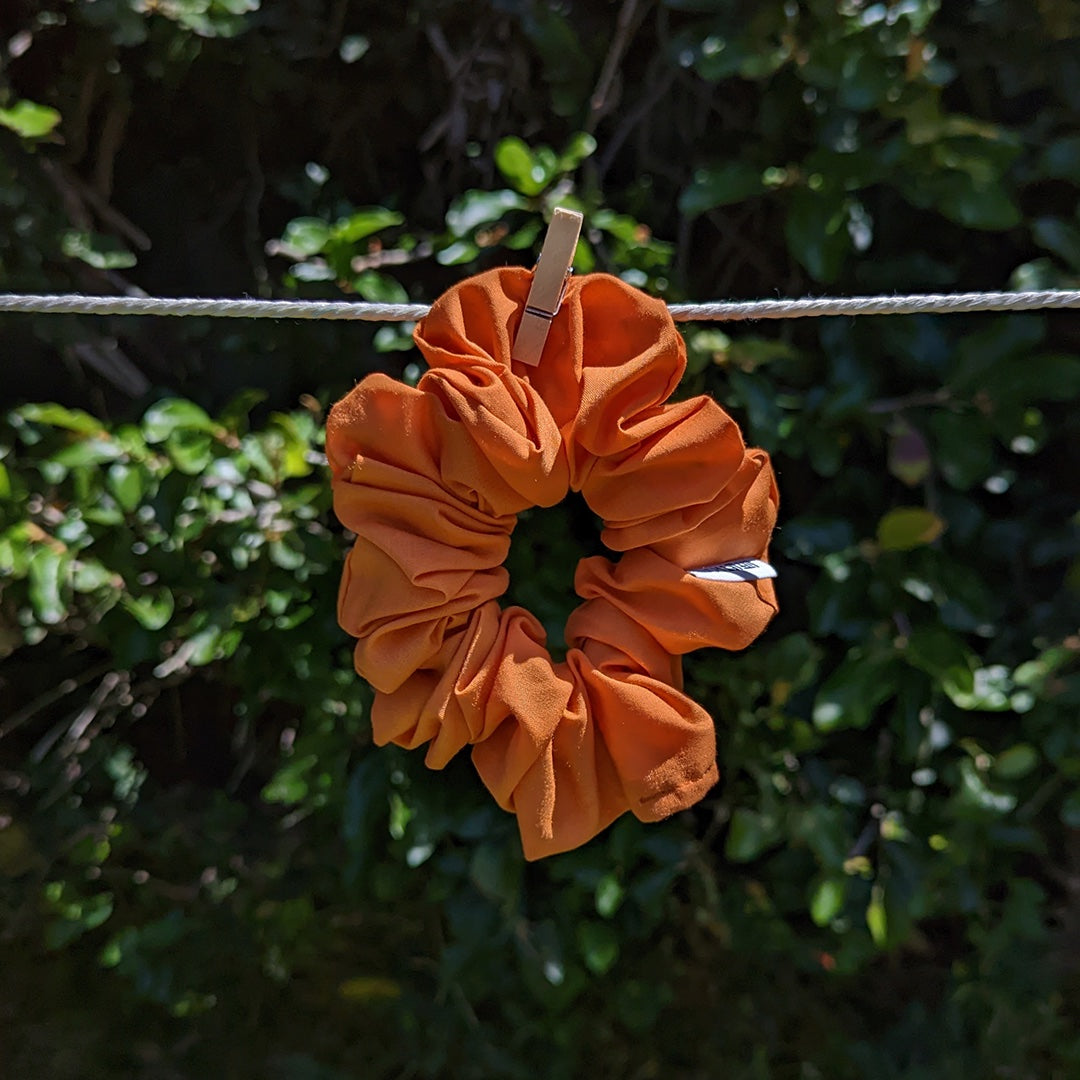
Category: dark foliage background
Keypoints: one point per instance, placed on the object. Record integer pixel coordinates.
(205, 869)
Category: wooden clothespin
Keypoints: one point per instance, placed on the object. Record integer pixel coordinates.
(553, 270)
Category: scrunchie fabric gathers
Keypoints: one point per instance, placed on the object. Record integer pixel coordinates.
(431, 478)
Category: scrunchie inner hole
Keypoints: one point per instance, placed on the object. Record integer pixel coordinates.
(545, 548)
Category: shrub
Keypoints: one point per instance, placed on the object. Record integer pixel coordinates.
(192, 821)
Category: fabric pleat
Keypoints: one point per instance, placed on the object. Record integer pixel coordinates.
(431, 478)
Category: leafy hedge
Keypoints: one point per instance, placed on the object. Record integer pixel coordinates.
(205, 869)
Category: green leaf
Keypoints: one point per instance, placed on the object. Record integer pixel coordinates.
(29, 120)
(496, 870)
(928, 125)
(990, 691)
(749, 834)
(816, 233)
(813, 538)
(5, 482)
(942, 655)
(316, 270)
(476, 208)
(521, 167)
(235, 417)
(90, 575)
(393, 339)
(13, 557)
(92, 451)
(1037, 673)
(46, 572)
(238, 7)
(97, 250)
(365, 810)
(1016, 762)
(721, 57)
(566, 67)
(876, 921)
(609, 895)
(721, 185)
(976, 798)
(580, 146)
(622, 226)
(750, 352)
(57, 416)
(288, 552)
(127, 484)
(79, 917)
(1012, 384)
(963, 449)
(756, 395)
(173, 414)
(306, 235)
(866, 81)
(584, 258)
(353, 47)
(525, 237)
(908, 527)
(191, 451)
(599, 946)
(360, 224)
(1037, 275)
(828, 900)
(204, 647)
(704, 348)
(290, 783)
(380, 288)
(130, 439)
(458, 253)
(963, 199)
(292, 445)
(850, 696)
(1060, 237)
(153, 610)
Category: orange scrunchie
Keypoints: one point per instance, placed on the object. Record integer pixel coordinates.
(430, 480)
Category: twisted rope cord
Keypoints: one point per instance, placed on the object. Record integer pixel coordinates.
(812, 307)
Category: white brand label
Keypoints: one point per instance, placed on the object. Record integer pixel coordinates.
(739, 570)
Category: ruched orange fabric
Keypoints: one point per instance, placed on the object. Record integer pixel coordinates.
(430, 480)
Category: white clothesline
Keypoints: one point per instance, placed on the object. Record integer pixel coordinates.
(809, 307)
